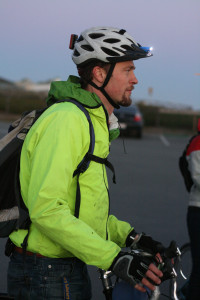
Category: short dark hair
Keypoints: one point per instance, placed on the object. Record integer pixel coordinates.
(85, 72)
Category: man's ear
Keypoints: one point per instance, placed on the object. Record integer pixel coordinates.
(99, 75)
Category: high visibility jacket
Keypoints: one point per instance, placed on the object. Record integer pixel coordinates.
(52, 150)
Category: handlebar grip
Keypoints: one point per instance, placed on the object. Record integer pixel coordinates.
(172, 250)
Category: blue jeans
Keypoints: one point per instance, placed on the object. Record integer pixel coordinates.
(124, 291)
(193, 222)
(42, 278)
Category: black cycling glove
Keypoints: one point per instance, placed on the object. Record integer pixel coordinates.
(131, 267)
(144, 242)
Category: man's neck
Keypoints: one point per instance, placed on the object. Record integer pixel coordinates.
(103, 99)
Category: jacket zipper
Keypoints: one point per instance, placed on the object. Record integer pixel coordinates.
(107, 118)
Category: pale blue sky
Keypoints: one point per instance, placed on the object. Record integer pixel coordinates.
(34, 37)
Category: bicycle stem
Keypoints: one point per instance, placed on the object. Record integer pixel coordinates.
(105, 277)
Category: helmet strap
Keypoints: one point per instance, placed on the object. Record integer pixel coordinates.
(101, 88)
(110, 71)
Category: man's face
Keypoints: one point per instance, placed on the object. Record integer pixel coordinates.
(122, 83)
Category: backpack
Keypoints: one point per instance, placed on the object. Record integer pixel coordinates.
(13, 212)
(183, 166)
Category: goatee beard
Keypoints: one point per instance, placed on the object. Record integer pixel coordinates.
(125, 102)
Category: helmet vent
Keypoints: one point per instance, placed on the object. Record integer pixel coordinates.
(76, 53)
(131, 41)
(126, 47)
(111, 41)
(118, 49)
(109, 52)
(96, 35)
(121, 31)
(87, 48)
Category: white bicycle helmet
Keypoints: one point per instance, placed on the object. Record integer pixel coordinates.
(107, 44)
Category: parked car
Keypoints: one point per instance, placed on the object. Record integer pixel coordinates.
(130, 120)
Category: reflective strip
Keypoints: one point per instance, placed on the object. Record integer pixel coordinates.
(9, 214)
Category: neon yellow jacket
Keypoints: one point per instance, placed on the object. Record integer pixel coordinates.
(52, 150)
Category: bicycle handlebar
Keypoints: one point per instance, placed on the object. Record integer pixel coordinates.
(165, 265)
(172, 251)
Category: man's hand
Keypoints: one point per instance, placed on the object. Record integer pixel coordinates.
(155, 275)
(137, 270)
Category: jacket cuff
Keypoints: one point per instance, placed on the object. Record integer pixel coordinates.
(130, 238)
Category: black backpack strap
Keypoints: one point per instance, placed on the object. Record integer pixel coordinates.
(84, 164)
(88, 157)
(78, 198)
(104, 161)
(97, 159)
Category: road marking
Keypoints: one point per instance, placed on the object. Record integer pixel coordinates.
(164, 140)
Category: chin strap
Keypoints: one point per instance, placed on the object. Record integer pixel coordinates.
(101, 88)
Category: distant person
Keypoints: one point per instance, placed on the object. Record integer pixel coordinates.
(192, 179)
(60, 245)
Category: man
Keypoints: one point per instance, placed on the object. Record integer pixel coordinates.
(60, 244)
(192, 290)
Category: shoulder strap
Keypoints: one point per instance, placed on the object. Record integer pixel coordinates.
(84, 164)
(104, 161)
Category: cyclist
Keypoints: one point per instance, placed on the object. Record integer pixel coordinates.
(193, 215)
(60, 244)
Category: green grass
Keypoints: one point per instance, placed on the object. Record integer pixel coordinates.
(154, 117)
(17, 101)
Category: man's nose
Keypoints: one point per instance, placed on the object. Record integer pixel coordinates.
(134, 79)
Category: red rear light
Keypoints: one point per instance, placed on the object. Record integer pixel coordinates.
(137, 118)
